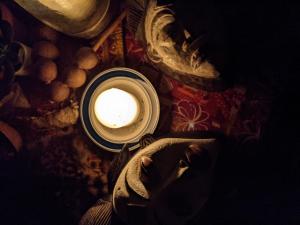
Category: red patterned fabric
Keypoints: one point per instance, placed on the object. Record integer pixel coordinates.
(239, 111)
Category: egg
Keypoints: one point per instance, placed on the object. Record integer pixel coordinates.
(46, 70)
(46, 49)
(86, 58)
(46, 33)
(59, 91)
(75, 77)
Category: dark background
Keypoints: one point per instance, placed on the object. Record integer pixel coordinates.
(257, 184)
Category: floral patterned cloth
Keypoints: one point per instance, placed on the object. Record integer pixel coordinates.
(239, 111)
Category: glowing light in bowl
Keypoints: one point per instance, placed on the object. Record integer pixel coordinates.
(116, 108)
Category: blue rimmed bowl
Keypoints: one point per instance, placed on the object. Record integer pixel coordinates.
(113, 139)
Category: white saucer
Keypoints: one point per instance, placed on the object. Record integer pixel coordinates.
(135, 131)
(133, 82)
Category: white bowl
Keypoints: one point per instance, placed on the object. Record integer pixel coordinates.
(133, 132)
(133, 82)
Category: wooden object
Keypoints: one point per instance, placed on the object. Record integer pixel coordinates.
(109, 30)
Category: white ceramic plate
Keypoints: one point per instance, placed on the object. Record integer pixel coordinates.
(128, 134)
(133, 82)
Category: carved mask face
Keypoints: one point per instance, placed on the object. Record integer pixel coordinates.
(168, 182)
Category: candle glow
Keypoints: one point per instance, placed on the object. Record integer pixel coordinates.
(115, 108)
